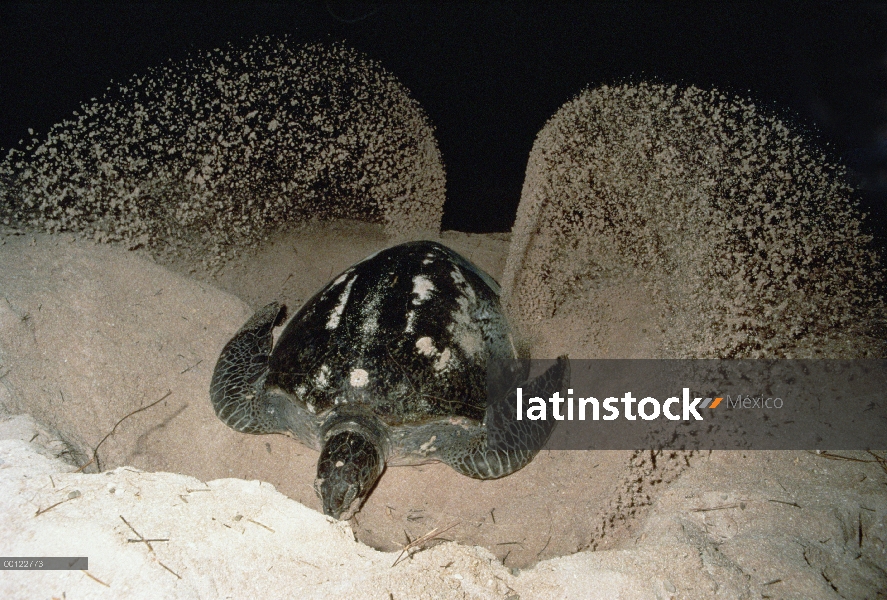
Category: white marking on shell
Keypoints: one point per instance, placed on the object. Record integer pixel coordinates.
(422, 287)
(342, 277)
(470, 342)
(339, 464)
(461, 315)
(442, 360)
(426, 346)
(359, 378)
(336, 313)
(370, 312)
(428, 446)
(464, 329)
(411, 320)
(460, 281)
(370, 325)
(300, 393)
(320, 379)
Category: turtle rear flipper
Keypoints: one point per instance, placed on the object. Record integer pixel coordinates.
(237, 385)
(505, 445)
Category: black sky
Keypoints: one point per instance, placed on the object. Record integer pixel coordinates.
(489, 75)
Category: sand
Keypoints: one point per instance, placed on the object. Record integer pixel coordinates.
(89, 334)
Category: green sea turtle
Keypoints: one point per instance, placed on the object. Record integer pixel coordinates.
(388, 364)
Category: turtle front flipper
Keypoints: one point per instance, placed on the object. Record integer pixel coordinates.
(237, 385)
(505, 445)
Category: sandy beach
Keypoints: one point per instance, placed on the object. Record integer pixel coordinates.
(90, 333)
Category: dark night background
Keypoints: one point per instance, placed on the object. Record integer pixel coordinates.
(490, 75)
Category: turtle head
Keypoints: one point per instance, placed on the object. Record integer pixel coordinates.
(350, 463)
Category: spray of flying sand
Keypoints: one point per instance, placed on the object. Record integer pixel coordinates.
(223, 147)
(743, 233)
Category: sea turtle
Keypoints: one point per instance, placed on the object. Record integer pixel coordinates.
(388, 363)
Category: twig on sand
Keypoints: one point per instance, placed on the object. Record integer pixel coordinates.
(795, 504)
(260, 525)
(91, 460)
(544, 547)
(881, 460)
(168, 569)
(141, 537)
(831, 456)
(95, 452)
(437, 531)
(724, 507)
(191, 367)
(40, 511)
(94, 578)
(876, 458)
(283, 285)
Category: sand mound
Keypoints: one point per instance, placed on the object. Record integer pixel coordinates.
(809, 529)
(740, 238)
(226, 146)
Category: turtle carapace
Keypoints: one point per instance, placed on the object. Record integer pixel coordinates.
(388, 363)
